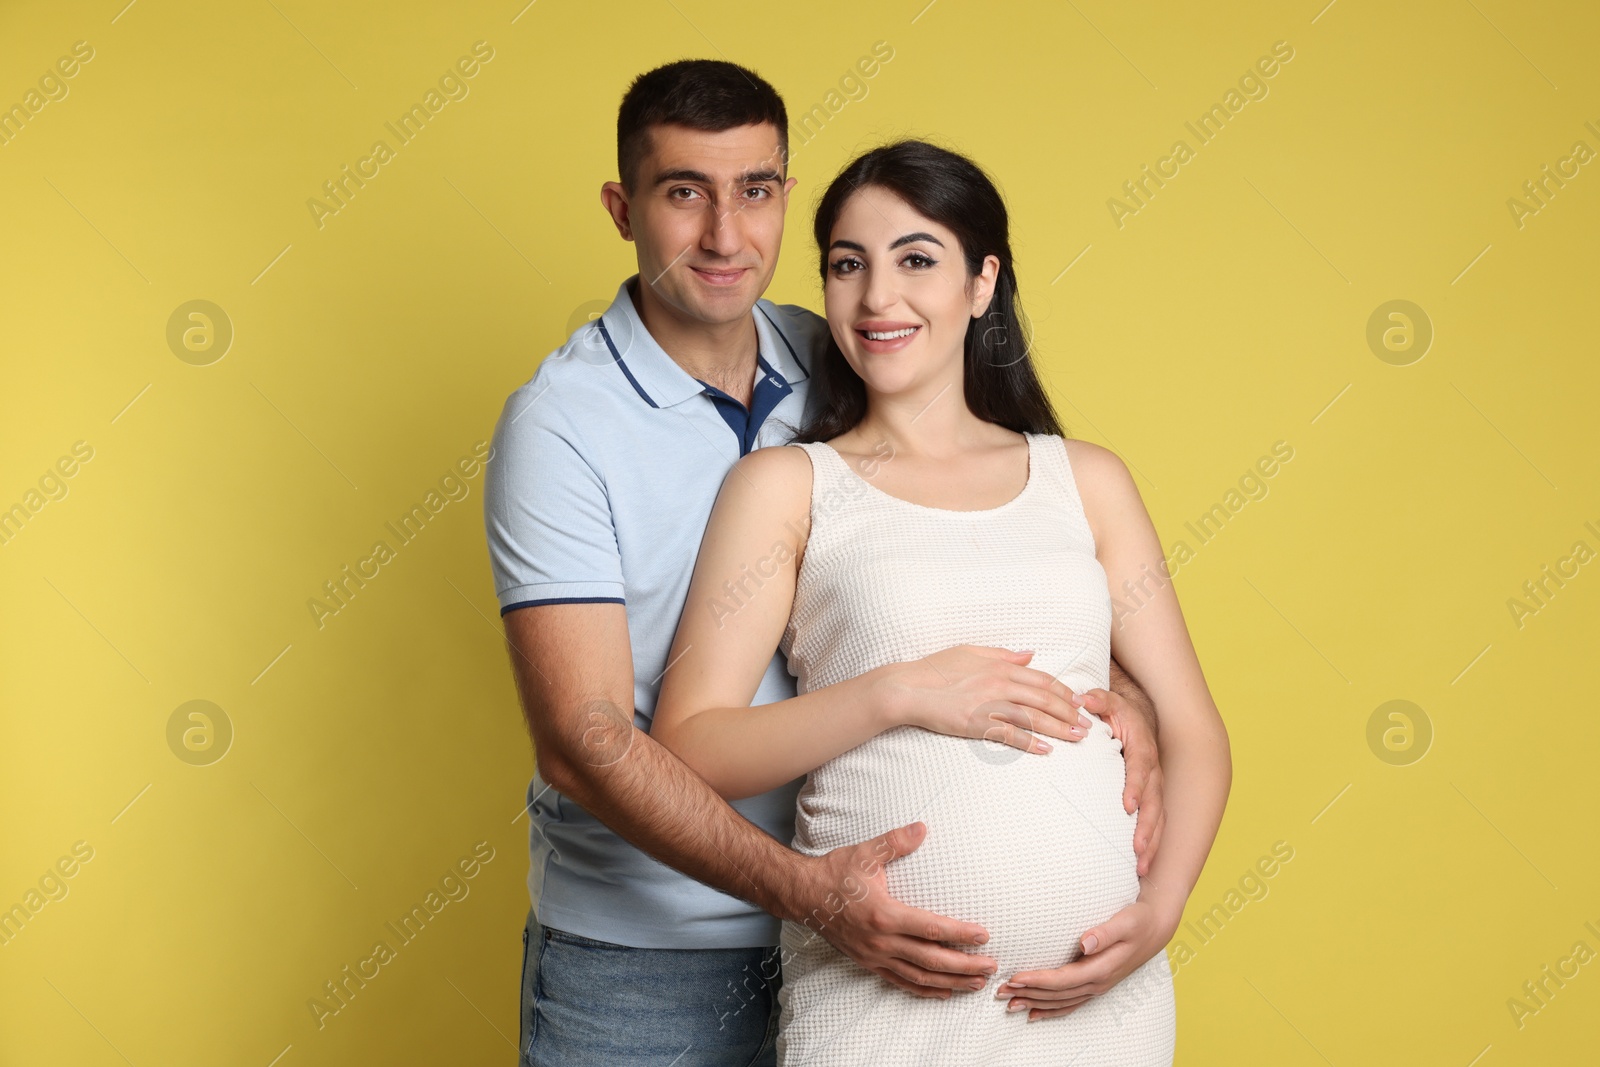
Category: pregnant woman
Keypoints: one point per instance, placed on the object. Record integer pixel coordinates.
(932, 501)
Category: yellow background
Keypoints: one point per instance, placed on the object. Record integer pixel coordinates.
(373, 352)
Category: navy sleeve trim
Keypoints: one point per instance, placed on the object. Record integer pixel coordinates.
(562, 600)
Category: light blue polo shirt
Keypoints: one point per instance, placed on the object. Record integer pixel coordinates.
(606, 465)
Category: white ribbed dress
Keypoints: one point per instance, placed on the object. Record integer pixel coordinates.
(1037, 848)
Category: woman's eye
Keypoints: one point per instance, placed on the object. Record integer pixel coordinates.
(919, 261)
(843, 266)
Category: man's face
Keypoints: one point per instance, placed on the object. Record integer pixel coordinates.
(706, 213)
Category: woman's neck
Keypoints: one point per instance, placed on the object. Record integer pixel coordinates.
(934, 424)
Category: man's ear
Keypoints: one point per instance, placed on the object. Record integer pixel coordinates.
(615, 200)
(983, 285)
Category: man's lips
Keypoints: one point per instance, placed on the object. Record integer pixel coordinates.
(720, 277)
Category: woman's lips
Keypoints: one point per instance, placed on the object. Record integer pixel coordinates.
(893, 344)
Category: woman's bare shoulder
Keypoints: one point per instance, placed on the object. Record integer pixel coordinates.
(1104, 485)
(776, 480)
(1094, 464)
(780, 465)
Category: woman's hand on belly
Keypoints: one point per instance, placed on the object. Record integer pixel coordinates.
(979, 691)
(1112, 951)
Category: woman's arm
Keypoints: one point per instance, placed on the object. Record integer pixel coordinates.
(1152, 644)
(738, 606)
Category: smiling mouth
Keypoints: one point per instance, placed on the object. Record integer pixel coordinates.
(888, 335)
(720, 277)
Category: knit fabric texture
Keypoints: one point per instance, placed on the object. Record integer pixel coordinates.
(1036, 848)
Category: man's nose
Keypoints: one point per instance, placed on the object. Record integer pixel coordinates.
(723, 233)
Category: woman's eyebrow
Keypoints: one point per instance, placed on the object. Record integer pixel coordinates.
(898, 241)
(910, 237)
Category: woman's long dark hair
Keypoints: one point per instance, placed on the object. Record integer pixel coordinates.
(1000, 382)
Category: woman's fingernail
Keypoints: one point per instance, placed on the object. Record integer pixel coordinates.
(1040, 746)
(1016, 1005)
(1090, 943)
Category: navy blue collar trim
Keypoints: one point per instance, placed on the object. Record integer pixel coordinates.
(746, 423)
(803, 372)
(770, 376)
(771, 371)
(618, 357)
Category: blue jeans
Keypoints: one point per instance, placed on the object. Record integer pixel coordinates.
(588, 1003)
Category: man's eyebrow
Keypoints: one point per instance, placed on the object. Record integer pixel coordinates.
(768, 174)
(682, 175)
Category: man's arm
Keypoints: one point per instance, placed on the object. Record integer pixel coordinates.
(1137, 700)
(574, 672)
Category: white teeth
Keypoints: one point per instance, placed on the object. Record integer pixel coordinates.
(892, 334)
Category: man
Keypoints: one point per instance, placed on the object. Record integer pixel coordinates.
(656, 903)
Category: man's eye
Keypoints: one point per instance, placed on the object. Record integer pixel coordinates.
(761, 191)
(683, 189)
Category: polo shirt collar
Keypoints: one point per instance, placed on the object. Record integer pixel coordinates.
(656, 376)
(776, 347)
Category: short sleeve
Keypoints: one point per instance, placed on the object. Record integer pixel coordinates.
(547, 515)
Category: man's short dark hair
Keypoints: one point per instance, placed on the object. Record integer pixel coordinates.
(703, 94)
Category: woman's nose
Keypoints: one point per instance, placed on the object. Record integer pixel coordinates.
(881, 292)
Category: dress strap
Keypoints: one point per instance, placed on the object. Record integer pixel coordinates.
(1052, 450)
(824, 477)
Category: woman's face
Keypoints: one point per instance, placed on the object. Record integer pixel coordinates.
(897, 295)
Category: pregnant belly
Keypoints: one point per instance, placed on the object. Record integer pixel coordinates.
(1035, 847)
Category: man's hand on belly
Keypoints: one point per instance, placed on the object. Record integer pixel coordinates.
(844, 896)
(1133, 722)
